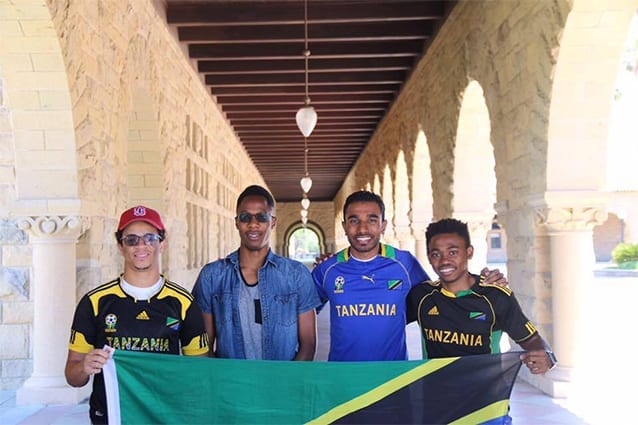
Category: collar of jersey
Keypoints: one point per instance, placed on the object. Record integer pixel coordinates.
(459, 294)
(384, 251)
(465, 293)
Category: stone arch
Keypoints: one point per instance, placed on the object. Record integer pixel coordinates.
(622, 149)
(401, 219)
(36, 101)
(376, 184)
(607, 235)
(577, 140)
(311, 225)
(584, 78)
(39, 204)
(421, 212)
(387, 194)
(474, 179)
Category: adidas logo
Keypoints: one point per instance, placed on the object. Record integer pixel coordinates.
(434, 311)
(143, 316)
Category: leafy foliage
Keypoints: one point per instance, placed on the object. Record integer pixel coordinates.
(625, 255)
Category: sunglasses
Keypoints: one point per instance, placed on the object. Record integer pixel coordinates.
(262, 217)
(148, 238)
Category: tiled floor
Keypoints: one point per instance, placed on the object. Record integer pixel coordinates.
(59, 414)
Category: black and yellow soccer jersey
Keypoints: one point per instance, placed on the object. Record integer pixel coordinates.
(469, 322)
(169, 322)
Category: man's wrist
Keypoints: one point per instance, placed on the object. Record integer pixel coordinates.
(552, 359)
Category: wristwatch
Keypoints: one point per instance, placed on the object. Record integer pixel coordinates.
(552, 359)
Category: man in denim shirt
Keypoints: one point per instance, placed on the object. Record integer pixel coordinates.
(256, 304)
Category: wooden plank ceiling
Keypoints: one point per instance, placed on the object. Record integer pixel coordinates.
(250, 55)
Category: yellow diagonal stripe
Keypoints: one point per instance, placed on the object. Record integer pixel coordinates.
(382, 391)
(491, 411)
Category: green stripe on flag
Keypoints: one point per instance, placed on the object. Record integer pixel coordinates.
(157, 388)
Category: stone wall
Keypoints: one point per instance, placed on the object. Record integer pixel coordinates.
(100, 110)
(509, 48)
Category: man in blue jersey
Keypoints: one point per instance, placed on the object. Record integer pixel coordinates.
(367, 285)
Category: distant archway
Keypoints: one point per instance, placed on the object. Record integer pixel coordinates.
(301, 252)
(474, 176)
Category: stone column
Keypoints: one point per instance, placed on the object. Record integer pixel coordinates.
(330, 245)
(478, 223)
(404, 238)
(570, 232)
(54, 296)
(420, 249)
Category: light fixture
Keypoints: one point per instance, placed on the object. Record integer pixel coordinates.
(304, 213)
(306, 116)
(304, 220)
(306, 181)
(305, 202)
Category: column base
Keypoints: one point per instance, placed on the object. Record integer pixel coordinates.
(50, 390)
(556, 383)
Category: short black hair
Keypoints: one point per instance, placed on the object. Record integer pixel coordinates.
(447, 225)
(255, 190)
(364, 196)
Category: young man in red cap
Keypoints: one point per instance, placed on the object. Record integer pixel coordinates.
(139, 311)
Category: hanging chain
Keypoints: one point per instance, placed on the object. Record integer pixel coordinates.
(305, 155)
(306, 51)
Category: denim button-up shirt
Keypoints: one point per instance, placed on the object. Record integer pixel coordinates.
(286, 290)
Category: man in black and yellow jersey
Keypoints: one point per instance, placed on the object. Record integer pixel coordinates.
(140, 310)
(460, 315)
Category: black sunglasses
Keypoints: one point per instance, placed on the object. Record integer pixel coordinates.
(262, 217)
(148, 238)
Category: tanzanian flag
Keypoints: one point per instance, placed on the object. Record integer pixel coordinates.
(146, 388)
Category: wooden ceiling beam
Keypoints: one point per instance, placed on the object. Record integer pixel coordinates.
(362, 49)
(286, 12)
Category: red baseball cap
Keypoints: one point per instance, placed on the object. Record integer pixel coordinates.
(140, 213)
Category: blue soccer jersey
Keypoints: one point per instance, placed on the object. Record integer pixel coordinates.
(367, 303)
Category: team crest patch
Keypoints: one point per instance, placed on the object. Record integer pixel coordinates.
(394, 283)
(477, 315)
(110, 321)
(339, 282)
(172, 323)
(139, 211)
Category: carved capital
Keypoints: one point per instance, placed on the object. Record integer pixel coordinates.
(573, 219)
(52, 227)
